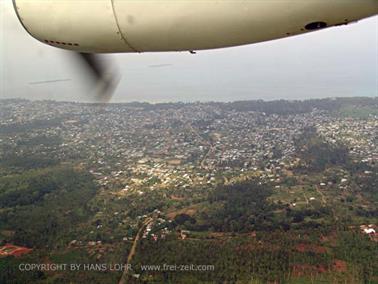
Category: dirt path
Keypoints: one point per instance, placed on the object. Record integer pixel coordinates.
(203, 165)
(305, 197)
(324, 201)
(203, 141)
(133, 249)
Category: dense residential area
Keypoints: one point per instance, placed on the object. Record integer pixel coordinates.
(262, 192)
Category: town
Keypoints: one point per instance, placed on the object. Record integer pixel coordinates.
(154, 165)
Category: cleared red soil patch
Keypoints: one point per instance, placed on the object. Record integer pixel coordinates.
(219, 235)
(174, 197)
(246, 248)
(299, 270)
(13, 250)
(340, 266)
(310, 248)
(330, 239)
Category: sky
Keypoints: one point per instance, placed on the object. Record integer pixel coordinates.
(336, 62)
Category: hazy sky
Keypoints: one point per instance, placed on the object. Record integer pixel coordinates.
(339, 61)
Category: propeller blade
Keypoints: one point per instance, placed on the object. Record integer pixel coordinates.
(103, 74)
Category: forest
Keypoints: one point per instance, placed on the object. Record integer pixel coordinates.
(317, 154)
(43, 206)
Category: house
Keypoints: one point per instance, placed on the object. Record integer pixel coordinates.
(184, 234)
(369, 231)
(13, 250)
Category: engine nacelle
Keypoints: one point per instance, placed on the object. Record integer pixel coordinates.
(169, 25)
(81, 25)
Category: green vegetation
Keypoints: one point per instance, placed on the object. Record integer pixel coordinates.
(267, 257)
(240, 207)
(35, 124)
(27, 161)
(339, 106)
(317, 153)
(43, 206)
(362, 112)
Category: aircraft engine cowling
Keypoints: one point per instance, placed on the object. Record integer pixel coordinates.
(99, 26)
(81, 25)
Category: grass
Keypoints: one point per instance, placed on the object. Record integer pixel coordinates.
(358, 112)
